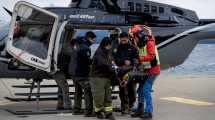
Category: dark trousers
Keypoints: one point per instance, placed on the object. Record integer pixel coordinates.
(101, 89)
(127, 95)
(63, 91)
(83, 86)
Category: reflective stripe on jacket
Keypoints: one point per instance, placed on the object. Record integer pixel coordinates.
(149, 57)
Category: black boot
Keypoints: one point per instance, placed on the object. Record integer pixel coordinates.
(78, 112)
(139, 111)
(60, 103)
(89, 114)
(146, 116)
(110, 116)
(125, 112)
(100, 115)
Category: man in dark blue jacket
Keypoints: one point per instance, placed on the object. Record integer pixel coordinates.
(125, 57)
(81, 80)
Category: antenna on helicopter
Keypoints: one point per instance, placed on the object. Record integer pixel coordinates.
(8, 11)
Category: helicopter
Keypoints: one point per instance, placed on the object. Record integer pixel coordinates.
(176, 30)
(36, 42)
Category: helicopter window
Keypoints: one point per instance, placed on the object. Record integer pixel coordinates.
(80, 3)
(138, 7)
(183, 20)
(96, 4)
(161, 9)
(131, 6)
(93, 4)
(111, 5)
(146, 8)
(177, 11)
(32, 32)
(154, 9)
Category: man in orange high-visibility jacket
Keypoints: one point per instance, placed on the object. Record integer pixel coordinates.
(148, 57)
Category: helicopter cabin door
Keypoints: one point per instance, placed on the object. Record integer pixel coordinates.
(32, 35)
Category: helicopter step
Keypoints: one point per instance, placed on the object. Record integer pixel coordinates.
(49, 93)
(42, 86)
(20, 99)
(42, 96)
(41, 99)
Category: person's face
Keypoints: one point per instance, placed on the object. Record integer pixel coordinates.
(108, 47)
(92, 40)
(124, 40)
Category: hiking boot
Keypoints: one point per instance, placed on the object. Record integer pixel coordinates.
(63, 108)
(100, 115)
(78, 112)
(146, 116)
(89, 114)
(125, 112)
(139, 111)
(110, 116)
(60, 108)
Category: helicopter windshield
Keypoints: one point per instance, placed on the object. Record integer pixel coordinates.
(32, 32)
(32, 35)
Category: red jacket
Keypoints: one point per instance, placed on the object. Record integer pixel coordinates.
(150, 56)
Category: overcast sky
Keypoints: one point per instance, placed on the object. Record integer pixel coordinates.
(204, 8)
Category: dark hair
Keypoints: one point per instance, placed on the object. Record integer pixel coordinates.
(115, 31)
(90, 34)
(105, 41)
(123, 34)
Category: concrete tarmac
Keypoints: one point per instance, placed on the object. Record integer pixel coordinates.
(176, 97)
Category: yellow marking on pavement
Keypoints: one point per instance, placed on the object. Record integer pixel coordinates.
(6, 102)
(188, 101)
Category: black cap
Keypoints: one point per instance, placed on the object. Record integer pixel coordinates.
(90, 34)
(123, 34)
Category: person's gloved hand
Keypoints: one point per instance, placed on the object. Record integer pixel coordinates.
(123, 83)
(115, 67)
(124, 80)
(147, 30)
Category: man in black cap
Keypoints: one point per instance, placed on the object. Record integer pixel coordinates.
(81, 80)
(125, 56)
